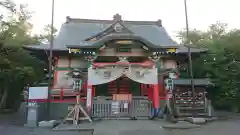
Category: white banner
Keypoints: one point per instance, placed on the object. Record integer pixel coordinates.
(105, 75)
(138, 74)
(143, 75)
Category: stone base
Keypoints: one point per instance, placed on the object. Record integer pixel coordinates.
(47, 124)
(181, 125)
(31, 123)
(195, 120)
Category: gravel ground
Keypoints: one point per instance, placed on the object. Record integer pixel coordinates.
(139, 127)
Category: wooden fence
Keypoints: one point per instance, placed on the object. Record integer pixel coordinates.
(111, 109)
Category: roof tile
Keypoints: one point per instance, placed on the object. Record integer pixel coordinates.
(75, 31)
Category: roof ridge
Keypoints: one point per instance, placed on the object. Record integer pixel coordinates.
(83, 20)
(109, 28)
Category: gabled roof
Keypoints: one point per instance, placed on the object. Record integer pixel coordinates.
(75, 31)
(114, 36)
(78, 32)
(111, 29)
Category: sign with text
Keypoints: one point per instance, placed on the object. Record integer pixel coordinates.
(124, 42)
(74, 50)
(38, 93)
(171, 50)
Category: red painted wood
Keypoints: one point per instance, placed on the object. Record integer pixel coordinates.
(83, 99)
(149, 92)
(155, 96)
(146, 89)
(123, 86)
(112, 87)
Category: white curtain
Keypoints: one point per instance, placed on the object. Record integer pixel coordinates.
(143, 75)
(104, 75)
(138, 74)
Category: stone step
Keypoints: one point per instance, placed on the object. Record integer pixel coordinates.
(191, 108)
(190, 114)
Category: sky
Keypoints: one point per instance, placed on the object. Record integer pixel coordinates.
(201, 13)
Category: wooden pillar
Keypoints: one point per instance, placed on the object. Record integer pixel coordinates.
(153, 95)
(150, 92)
(89, 97)
(155, 92)
(93, 92)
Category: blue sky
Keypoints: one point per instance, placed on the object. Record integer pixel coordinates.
(202, 13)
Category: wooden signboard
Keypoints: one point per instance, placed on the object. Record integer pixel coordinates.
(38, 93)
(172, 50)
(124, 42)
(122, 97)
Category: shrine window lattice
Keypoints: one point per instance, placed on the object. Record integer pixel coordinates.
(124, 49)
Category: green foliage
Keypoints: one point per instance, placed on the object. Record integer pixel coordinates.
(46, 34)
(17, 67)
(221, 63)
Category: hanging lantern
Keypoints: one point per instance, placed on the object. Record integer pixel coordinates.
(77, 79)
(77, 84)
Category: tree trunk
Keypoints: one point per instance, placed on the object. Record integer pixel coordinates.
(3, 99)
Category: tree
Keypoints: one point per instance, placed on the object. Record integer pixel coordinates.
(17, 66)
(199, 38)
(221, 63)
(46, 34)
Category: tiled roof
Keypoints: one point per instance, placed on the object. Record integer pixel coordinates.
(75, 31)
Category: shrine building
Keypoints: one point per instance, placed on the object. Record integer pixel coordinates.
(117, 59)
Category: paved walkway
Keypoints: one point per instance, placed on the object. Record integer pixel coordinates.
(127, 127)
(12, 125)
(230, 127)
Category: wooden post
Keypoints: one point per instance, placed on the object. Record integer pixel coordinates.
(89, 97)
(156, 98)
(78, 99)
(150, 92)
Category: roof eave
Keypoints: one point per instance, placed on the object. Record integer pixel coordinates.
(184, 49)
(102, 41)
(36, 48)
